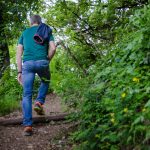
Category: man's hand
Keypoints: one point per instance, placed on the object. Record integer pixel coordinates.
(19, 78)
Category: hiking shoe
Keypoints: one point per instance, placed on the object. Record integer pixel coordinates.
(28, 131)
(39, 108)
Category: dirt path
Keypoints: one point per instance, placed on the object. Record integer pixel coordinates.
(44, 135)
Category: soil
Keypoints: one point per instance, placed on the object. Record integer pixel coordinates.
(51, 136)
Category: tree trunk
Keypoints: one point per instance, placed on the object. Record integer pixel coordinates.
(4, 51)
(73, 57)
(44, 119)
(4, 58)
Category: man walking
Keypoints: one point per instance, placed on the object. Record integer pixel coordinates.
(36, 58)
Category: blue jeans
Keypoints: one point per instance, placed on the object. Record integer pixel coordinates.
(29, 69)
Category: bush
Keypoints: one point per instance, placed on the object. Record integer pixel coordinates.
(116, 111)
(10, 92)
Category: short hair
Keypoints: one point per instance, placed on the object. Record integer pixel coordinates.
(35, 19)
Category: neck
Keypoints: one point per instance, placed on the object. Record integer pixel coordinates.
(35, 24)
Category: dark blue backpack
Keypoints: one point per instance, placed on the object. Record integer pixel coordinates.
(43, 34)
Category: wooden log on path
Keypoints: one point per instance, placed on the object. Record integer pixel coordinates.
(42, 119)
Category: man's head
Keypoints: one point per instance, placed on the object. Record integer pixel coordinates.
(35, 19)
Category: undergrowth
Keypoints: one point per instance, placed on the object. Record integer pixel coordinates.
(114, 100)
(10, 92)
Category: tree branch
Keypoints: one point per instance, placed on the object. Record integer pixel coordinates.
(72, 56)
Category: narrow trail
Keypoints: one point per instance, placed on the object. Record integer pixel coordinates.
(44, 135)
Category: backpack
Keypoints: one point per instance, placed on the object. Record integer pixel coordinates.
(43, 33)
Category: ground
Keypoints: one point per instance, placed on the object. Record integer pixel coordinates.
(50, 136)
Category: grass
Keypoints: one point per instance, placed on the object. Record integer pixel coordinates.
(8, 103)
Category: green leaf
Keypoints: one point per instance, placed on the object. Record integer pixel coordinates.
(138, 120)
(147, 104)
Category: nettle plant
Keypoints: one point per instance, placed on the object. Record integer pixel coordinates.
(116, 111)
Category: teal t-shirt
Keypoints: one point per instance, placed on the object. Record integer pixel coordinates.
(32, 50)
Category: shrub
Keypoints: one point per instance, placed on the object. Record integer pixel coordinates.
(10, 92)
(116, 111)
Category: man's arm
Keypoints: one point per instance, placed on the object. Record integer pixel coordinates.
(19, 62)
(52, 50)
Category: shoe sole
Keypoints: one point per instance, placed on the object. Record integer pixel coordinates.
(27, 133)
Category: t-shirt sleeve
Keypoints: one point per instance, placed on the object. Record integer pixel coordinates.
(20, 41)
(51, 38)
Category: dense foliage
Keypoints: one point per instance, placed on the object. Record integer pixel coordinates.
(116, 110)
(101, 70)
(111, 41)
(10, 92)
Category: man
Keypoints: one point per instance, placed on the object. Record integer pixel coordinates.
(36, 59)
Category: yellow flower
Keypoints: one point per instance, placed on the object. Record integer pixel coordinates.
(112, 114)
(143, 110)
(125, 110)
(123, 95)
(136, 80)
(112, 120)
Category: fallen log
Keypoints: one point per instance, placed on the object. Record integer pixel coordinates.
(43, 119)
